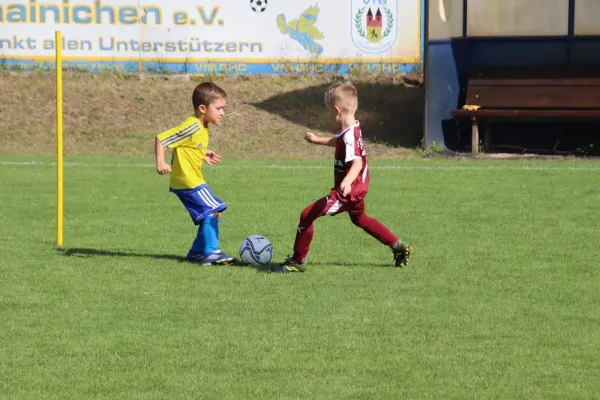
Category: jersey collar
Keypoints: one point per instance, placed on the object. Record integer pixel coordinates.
(340, 133)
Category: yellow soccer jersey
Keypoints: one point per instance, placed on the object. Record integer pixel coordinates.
(189, 142)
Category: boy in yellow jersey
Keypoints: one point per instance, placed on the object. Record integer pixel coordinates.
(189, 142)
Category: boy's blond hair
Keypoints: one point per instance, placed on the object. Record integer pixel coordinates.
(344, 95)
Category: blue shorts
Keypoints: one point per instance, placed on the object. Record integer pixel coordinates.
(200, 202)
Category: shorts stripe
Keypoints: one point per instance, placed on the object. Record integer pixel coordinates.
(205, 199)
(210, 197)
(335, 207)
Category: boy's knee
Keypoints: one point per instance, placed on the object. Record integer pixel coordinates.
(216, 215)
(305, 213)
(358, 219)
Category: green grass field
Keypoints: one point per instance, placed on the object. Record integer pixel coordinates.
(500, 299)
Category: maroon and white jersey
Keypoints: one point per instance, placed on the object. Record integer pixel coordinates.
(348, 147)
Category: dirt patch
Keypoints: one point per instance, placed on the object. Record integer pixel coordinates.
(266, 116)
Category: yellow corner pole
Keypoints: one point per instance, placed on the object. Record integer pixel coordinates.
(59, 142)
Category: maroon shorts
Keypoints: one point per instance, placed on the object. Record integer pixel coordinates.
(335, 203)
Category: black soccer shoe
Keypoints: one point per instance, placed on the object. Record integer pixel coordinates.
(401, 254)
(289, 265)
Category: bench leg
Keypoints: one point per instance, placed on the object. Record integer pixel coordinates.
(474, 136)
(487, 137)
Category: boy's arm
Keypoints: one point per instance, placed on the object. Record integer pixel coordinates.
(346, 185)
(172, 138)
(159, 151)
(325, 141)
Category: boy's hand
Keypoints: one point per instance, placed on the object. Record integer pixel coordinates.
(325, 141)
(310, 137)
(163, 168)
(346, 187)
(212, 158)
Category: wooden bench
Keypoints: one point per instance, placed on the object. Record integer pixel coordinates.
(529, 94)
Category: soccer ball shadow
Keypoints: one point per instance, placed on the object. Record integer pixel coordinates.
(257, 267)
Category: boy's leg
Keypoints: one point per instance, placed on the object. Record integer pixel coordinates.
(305, 232)
(306, 229)
(207, 239)
(380, 232)
(206, 249)
(210, 233)
(204, 210)
(199, 243)
(374, 228)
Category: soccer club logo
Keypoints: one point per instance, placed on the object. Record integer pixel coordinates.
(374, 26)
(258, 6)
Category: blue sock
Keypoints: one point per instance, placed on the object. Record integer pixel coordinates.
(210, 232)
(199, 243)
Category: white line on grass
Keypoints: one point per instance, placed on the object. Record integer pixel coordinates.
(382, 167)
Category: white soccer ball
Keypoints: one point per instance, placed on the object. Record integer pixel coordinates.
(256, 250)
(258, 5)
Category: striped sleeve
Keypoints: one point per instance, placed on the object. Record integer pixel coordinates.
(174, 137)
(352, 142)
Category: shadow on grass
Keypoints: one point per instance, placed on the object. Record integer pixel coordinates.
(390, 113)
(87, 252)
(352, 264)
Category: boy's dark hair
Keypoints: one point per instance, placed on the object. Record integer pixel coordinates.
(206, 93)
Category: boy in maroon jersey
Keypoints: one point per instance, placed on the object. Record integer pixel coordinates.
(351, 177)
